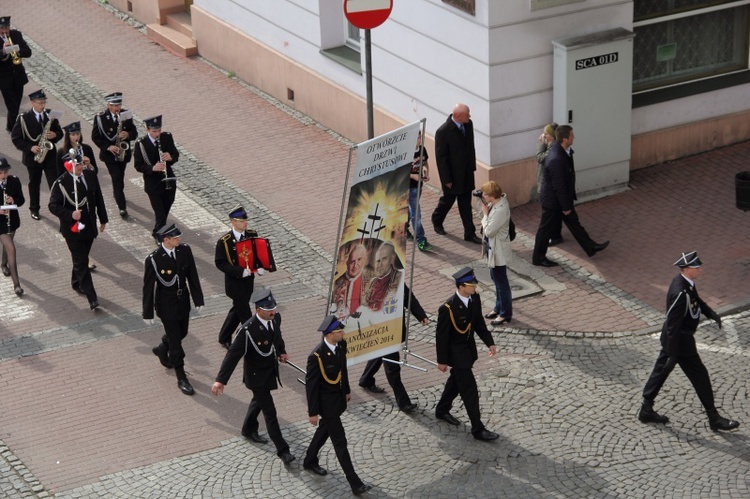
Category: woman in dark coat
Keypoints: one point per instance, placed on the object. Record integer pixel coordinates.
(12, 195)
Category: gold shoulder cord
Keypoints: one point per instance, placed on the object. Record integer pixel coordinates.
(226, 247)
(323, 373)
(453, 320)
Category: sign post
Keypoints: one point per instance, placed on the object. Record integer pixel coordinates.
(368, 14)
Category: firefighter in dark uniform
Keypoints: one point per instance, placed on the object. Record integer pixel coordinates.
(327, 387)
(27, 134)
(12, 73)
(458, 319)
(261, 343)
(684, 309)
(238, 281)
(78, 224)
(105, 135)
(169, 278)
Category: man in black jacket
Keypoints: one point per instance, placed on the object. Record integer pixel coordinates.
(327, 387)
(558, 196)
(154, 156)
(12, 76)
(459, 317)
(78, 223)
(684, 308)
(456, 163)
(260, 342)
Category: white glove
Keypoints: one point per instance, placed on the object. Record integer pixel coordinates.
(246, 273)
(199, 308)
(149, 322)
(261, 271)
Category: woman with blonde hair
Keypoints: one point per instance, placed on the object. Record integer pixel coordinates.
(496, 225)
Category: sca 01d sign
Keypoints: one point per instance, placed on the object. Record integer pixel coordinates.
(599, 60)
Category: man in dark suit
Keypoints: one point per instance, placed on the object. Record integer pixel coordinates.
(105, 135)
(154, 156)
(393, 369)
(169, 278)
(558, 196)
(327, 387)
(456, 163)
(78, 223)
(26, 136)
(458, 319)
(12, 74)
(684, 308)
(238, 281)
(261, 344)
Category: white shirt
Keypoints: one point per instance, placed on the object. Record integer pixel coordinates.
(332, 347)
(465, 300)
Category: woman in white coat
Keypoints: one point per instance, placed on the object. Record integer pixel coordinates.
(496, 222)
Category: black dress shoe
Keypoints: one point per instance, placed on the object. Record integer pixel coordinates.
(408, 408)
(717, 422)
(18, 290)
(255, 437)
(439, 230)
(163, 358)
(555, 241)
(94, 304)
(361, 489)
(473, 239)
(317, 469)
(6, 270)
(286, 457)
(491, 315)
(501, 321)
(448, 418)
(185, 386)
(598, 247)
(373, 388)
(545, 263)
(35, 215)
(124, 214)
(486, 436)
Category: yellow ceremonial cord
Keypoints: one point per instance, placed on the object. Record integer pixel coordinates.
(323, 372)
(453, 320)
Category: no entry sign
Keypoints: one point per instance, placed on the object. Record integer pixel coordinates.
(367, 14)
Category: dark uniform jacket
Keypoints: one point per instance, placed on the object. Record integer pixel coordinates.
(225, 258)
(90, 200)
(11, 74)
(24, 142)
(168, 282)
(684, 308)
(146, 156)
(415, 307)
(559, 185)
(455, 156)
(456, 325)
(12, 188)
(83, 150)
(261, 349)
(104, 134)
(327, 381)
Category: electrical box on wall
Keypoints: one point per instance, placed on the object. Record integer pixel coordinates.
(593, 82)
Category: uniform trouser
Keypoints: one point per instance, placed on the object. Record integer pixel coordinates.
(81, 275)
(445, 203)
(549, 224)
(461, 381)
(238, 314)
(117, 173)
(331, 426)
(13, 95)
(174, 332)
(392, 374)
(49, 170)
(161, 203)
(692, 366)
(262, 401)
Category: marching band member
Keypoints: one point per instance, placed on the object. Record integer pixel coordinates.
(154, 156)
(73, 139)
(29, 136)
(77, 201)
(111, 129)
(169, 278)
(12, 194)
(12, 73)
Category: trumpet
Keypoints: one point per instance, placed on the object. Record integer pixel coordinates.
(14, 55)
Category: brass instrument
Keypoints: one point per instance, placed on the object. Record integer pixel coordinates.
(14, 55)
(121, 144)
(45, 145)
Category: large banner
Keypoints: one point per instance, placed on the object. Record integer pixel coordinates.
(368, 291)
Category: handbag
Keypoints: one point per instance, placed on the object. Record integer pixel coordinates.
(511, 230)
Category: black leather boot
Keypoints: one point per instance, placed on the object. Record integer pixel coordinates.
(718, 422)
(647, 414)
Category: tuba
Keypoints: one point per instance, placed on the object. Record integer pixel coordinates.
(121, 144)
(45, 145)
(14, 55)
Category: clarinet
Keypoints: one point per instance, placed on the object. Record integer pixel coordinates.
(167, 181)
(5, 201)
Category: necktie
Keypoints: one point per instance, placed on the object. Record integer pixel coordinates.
(463, 130)
(41, 119)
(270, 326)
(173, 255)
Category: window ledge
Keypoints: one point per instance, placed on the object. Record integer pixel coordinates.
(691, 88)
(346, 56)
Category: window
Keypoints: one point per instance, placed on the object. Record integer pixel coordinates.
(352, 36)
(678, 41)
